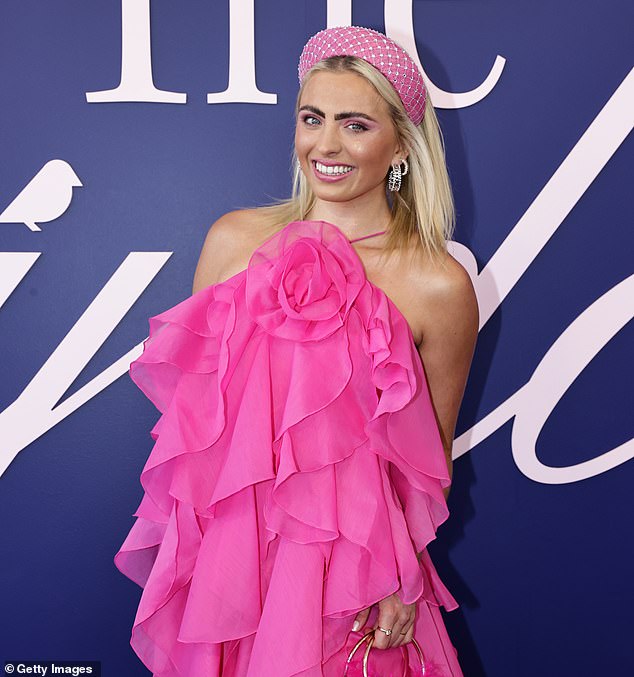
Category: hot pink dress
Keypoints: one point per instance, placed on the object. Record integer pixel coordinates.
(297, 470)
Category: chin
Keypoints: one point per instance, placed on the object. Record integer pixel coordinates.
(339, 194)
(334, 196)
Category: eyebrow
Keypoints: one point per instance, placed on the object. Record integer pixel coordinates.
(338, 116)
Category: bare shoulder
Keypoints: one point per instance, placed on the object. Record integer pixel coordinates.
(446, 278)
(445, 299)
(228, 245)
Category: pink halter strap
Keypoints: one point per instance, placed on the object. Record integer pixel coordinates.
(363, 237)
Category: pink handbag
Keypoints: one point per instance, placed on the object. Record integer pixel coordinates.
(385, 664)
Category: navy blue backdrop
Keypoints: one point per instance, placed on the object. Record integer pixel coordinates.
(539, 555)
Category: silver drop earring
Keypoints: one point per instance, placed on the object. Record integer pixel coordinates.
(394, 178)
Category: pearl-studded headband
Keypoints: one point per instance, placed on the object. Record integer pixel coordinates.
(378, 50)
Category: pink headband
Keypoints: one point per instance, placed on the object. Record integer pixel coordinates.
(378, 50)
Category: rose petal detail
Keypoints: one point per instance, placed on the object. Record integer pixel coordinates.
(302, 285)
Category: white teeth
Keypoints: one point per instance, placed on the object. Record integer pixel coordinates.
(337, 169)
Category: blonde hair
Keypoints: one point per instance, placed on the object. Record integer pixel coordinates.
(424, 205)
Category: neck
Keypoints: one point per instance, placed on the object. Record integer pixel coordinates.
(352, 218)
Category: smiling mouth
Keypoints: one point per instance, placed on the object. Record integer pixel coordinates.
(332, 170)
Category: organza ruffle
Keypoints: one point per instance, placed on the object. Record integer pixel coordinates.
(297, 468)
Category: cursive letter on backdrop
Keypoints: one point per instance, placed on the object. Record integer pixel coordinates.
(582, 340)
(14, 266)
(34, 411)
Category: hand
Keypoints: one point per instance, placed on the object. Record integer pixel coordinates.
(395, 615)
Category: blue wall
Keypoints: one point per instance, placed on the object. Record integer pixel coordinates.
(542, 569)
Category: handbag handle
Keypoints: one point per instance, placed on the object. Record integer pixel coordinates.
(370, 637)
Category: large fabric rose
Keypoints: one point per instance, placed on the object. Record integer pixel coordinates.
(302, 283)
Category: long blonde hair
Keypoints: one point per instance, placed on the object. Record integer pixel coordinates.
(424, 205)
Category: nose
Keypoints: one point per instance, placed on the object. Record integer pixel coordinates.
(329, 142)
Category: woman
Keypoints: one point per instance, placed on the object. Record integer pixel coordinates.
(303, 455)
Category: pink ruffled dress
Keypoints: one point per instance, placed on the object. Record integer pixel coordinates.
(297, 469)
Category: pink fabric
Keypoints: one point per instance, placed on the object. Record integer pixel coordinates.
(297, 469)
(386, 55)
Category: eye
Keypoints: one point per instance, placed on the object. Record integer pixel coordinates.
(357, 127)
(310, 120)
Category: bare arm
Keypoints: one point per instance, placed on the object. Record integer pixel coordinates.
(450, 331)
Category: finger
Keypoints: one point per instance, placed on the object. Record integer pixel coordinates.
(361, 618)
(405, 635)
(410, 626)
(387, 620)
(410, 634)
(400, 623)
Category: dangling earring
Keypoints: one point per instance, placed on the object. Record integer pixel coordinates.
(394, 178)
